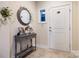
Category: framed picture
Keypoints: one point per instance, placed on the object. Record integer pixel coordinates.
(42, 16)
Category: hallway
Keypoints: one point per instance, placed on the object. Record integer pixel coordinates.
(51, 24)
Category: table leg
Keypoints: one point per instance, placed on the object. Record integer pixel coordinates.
(15, 48)
(35, 42)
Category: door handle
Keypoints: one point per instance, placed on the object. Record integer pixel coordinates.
(50, 30)
(50, 27)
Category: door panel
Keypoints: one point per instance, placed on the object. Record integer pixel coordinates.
(59, 28)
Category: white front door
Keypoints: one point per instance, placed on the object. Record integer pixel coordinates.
(59, 28)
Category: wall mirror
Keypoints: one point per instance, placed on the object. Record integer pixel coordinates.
(24, 16)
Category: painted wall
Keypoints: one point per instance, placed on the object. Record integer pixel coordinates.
(8, 31)
(75, 26)
(78, 25)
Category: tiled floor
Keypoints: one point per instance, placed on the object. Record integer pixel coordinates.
(46, 53)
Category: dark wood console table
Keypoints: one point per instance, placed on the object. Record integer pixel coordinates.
(20, 39)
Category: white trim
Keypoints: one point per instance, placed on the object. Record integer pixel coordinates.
(70, 5)
(78, 29)
(71, 27)
(41, 46)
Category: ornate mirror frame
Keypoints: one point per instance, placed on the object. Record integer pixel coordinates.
(19, 17)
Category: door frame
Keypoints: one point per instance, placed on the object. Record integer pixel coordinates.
(70, 24)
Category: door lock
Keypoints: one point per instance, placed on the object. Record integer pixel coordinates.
(50, 30)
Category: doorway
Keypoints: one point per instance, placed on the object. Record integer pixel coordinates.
(59, 28)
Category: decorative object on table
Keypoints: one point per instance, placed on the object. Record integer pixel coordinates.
(24, 16)
(42, 16)
(5, 13)
(28, 29)
(21, 31)
(31, 30)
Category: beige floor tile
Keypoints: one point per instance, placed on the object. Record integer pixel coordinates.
(48, 53)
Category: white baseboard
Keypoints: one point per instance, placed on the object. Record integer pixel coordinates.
(42, 46)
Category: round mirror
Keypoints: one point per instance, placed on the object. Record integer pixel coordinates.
(24, 16)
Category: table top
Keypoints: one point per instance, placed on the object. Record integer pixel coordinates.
(26, 35)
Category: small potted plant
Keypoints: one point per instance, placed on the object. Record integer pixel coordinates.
(5, 12)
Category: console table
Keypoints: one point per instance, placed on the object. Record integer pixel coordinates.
(20, 39)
